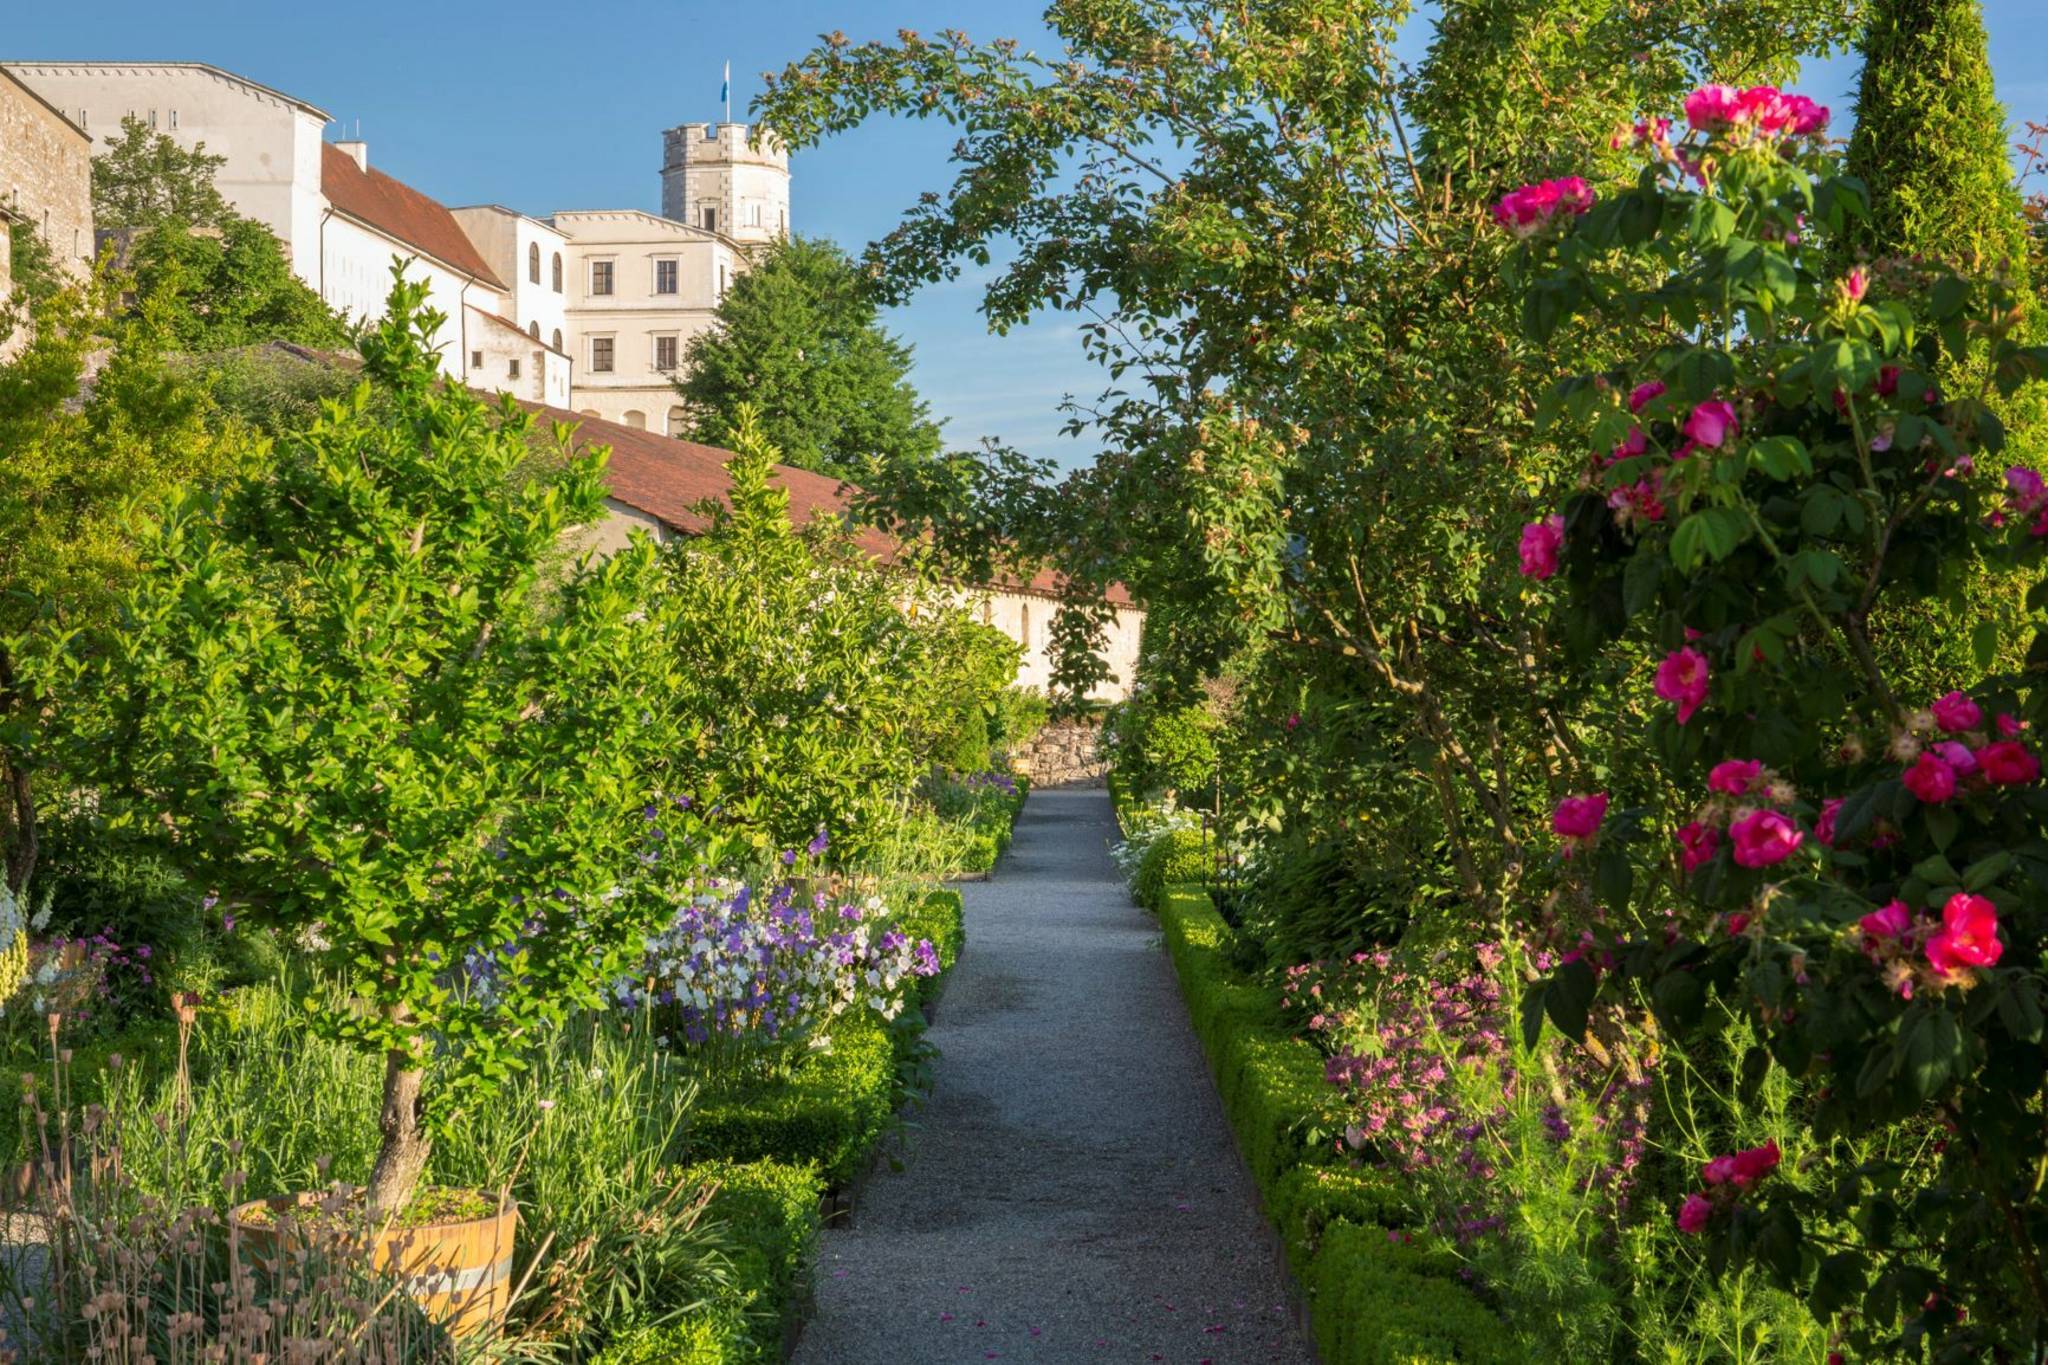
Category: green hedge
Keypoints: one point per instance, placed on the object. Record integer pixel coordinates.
(1180, 856)
(940, 917)
(1374, 1297)
(831, 1110)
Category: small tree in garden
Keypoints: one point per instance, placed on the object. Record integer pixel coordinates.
(369, 711)
(1857, 871)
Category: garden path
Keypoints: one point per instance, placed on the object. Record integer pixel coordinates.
(1071, 1190)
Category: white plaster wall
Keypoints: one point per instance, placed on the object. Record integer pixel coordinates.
(272, 145)
(355, 275)
(503, 237)
(1027, 618)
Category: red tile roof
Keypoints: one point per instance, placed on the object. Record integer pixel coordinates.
(666, 479)
(399, 211)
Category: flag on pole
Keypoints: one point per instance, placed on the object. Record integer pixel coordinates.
(725, 92)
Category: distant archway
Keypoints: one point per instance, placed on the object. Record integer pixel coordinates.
(675, 421)
(635, 419)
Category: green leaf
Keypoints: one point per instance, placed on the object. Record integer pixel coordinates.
(1641, 579)
(1569, 1000)
(1712, 223)
(1781, 457)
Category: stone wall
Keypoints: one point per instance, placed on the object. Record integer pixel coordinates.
(46, 173)
(1066, 753)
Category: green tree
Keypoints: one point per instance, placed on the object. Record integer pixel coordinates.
(353, 693)
(820, 686)
(1930, 139)
(798, 339)
(69, 471)
(217, 291)
(145, 179)
(32, 272)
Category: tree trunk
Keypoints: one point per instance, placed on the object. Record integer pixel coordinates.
(404, 1153)
(17, 802)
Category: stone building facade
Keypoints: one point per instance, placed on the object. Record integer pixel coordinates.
(45, 179)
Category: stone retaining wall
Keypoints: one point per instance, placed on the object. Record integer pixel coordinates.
(1066, 753)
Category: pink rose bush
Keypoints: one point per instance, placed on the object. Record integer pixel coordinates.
(1541, 541)
(1532, 208)
(1786, 471)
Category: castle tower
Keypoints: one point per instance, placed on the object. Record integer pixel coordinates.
(713, 177)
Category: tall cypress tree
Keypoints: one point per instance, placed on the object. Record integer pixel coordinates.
(1930, 138)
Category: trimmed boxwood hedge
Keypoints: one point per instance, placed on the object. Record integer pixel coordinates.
(1181, 856)
(940, 917)
(830, 1110)
(1374, 1299)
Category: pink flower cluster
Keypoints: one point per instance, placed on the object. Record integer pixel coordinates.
(1528, 210)
(1744, 803)
(1682, 678)
(1726, 1177)
(1577, 820)
(1541, 540)
(1761, 111)
(2026, 498)
(1965, 939)
(1965, 757)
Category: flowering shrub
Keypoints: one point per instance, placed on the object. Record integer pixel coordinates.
(741, 975)
(1797, 449)
(1145, 826)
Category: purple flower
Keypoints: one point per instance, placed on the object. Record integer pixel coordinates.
(816, 845)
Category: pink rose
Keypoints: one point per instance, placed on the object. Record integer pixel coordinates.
(1632, 445)
(1931, 779)
(1763, 838)
(1734, 775)
(2025, 492)
(1957, 756)
(1697, 844)
(1892, 921)
(1824, 828)
(1753, 1165)
(1807, 117)
(1712, 108)
(2007, 763)
(1639, 397)
(1541, 541)
(1682, 678)
(1737, 923)
(1531, 208)
(1855, 284)
(1968, 937)
(1712, 423)
(1694, 1213)
(2009, 725)
(1579, 817)
(1956, 712)
(1639, 501)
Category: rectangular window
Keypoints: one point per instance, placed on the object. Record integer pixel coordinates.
(512, 368)
(174, 118)
(721, 281)
(82, 120)
(755, 210)
(664, 277)
(600, 277)
(664, 353)
(152, 118)
(476, 360)
(710, 220)
(600, 355)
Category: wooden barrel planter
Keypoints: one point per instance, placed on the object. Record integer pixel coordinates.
(459, 1270)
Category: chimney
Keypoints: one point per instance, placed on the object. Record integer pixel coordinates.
(357, 150)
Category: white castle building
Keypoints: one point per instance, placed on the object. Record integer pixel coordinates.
(588, 309)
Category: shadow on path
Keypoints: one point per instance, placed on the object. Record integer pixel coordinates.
(1071, 1192)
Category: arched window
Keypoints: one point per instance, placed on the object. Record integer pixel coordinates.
(533, 330)
(635, 419)
(590, 412)
(533, 261)
(558, 271)
(1024, 626)
(675, 421)
(558, 338)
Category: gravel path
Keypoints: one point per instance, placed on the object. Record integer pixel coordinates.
(1071, 1192)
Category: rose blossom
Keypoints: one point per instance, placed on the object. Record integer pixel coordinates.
(1697, 843)
(1531, 208)
(1931, 779)
(1956, 755)
(1639, 397)
(1682, 678)
(1824, 828)
(1968, 937)
(1753, 1164)
(1734, 776)
(1763, 838)
(1956, 712)
(1713, 107)
(1712, 423)
(1579, 817)
(1694, 1213)
(2007, 763)
(1540, 543)
(1891, 921)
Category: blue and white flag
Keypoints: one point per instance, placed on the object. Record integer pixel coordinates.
(725, 89)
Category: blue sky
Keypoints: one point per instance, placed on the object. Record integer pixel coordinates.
(550, 106)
